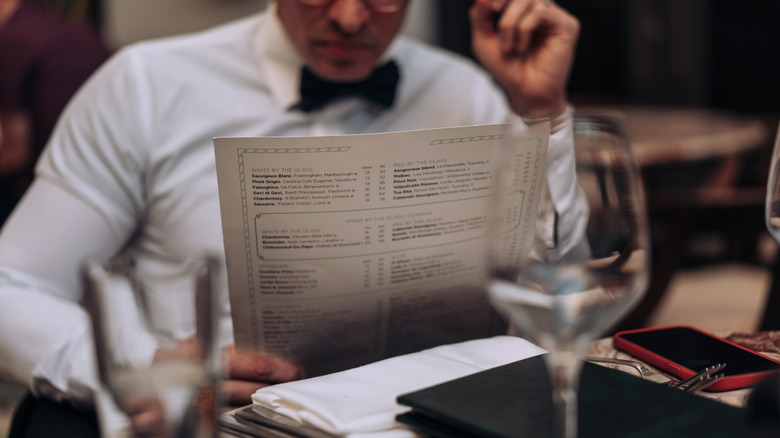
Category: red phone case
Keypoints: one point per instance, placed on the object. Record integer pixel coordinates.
(726, 383)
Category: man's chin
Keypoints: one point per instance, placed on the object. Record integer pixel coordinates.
(343, 73)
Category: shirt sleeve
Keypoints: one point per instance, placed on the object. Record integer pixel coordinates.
(46, 341)
(87, 200)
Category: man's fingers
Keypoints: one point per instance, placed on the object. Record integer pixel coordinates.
(149, 424)
(258, 368)
(239, 392)
(482, 16)
(528, 48)
(515, 22)
(527, 29)
(147, 416)
(249, 372)
(510, 25)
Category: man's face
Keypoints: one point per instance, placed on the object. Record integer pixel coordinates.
(341, 41)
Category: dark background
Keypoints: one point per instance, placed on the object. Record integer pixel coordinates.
(722, 54)
(713, 53)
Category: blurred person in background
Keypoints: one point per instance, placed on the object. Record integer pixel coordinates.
(44, 59)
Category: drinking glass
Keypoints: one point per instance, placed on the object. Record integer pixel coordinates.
(772, 211)
(155, 325)
(561, 293)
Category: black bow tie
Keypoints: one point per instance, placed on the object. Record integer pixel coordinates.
(378, 88)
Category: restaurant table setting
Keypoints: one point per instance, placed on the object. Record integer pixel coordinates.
(362, 401)
(487, 387)
(766, 343)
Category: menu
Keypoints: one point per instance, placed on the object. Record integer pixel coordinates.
(343, 250)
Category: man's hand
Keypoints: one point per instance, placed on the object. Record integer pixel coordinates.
(147, 416)
(528, 47)
(249, 372)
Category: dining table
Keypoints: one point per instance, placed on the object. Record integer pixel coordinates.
(764, 342)
(692, 160)
(767, 343)
(669, 135)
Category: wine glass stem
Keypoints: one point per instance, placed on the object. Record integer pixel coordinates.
(564, 368)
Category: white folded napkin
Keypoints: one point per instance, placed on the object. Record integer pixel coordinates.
(360, 402)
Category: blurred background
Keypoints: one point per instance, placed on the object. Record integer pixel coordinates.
(699, 81)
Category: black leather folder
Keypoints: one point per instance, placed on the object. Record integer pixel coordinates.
(514, 401)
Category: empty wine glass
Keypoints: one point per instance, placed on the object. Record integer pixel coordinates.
(561, 293)
(772, 211)
(155, 329)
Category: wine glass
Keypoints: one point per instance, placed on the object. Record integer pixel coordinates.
(155, 328)
(558, 292)
(772, 211)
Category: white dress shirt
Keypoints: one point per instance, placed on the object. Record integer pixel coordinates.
(131, 163)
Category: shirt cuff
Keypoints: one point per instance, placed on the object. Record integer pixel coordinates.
(557, 123)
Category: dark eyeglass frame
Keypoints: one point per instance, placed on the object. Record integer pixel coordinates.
(383, 6)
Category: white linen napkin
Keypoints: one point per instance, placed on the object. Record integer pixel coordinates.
(360, 402)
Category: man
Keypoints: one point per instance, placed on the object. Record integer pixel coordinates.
(131, 164)
(44, 59)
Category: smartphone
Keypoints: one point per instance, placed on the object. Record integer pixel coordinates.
(683, 351)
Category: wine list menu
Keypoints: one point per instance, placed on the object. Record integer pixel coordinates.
(343, 250)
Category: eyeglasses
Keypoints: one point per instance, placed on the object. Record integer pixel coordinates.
(385, 6)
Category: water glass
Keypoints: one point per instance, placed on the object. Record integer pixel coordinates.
(155, 328)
